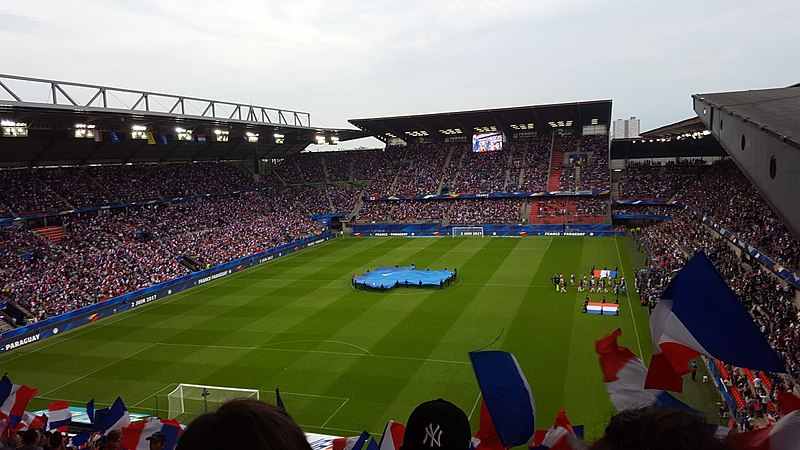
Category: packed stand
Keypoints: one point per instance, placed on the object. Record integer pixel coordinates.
(481, 172)
(533, 158)
(456, 212)
(738, 207)
(652, 181)
(421, 169)
(111, 253)
(770, 302)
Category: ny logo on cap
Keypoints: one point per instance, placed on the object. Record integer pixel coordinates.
(434, 433)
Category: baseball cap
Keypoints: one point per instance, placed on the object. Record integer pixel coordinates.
(437, 425)
(157, 436)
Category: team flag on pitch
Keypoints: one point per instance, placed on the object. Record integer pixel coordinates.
(624, 376)
(699, 314)
(507, 396)
(112, 418)
(783, 435)
(58, 416)
(135, 435)
(351, 443)
(14, 398)
(561, 436)
(392, 438)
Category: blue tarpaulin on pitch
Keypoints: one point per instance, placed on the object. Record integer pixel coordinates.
(389, 277)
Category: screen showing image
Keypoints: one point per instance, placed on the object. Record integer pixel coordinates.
(487, 142)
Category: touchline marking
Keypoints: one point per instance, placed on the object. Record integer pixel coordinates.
(630, 306)
(474, 405)
(311, 341)
(321, 352)
(104, 366)
(336, 411)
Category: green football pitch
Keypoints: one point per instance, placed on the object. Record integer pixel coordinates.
(348, 360)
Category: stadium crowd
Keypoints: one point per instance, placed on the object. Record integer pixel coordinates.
(456, 212)
(109, 253)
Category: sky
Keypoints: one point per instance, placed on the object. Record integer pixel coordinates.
(340, 60)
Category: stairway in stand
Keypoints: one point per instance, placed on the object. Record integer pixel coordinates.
(554, 179)
(52, 234)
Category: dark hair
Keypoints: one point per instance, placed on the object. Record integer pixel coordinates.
(30, 437)
(56, 439)
(244, 424)
(658, 429)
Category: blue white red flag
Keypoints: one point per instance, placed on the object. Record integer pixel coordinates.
(351, 443)
(14, 398)
(561, 436)
(30, 421)
(699, 314)
(507, 396)
(112, 418)
(135, 435)
(58, 416)
(624, 376)
(392, 438)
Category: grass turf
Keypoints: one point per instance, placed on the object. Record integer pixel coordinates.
(348, 360)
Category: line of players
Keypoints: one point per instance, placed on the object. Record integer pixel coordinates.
(590, 284)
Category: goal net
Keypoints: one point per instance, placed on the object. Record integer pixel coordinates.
(191, 400)
(467, 231)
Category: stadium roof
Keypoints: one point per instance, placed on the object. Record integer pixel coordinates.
(438, 126)
(773, 110)
(686, 126)
(51, 109)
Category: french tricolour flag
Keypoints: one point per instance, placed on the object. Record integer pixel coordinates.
(351, 443)
(134, 436)
(561, 436)
(699, 314)
(30, 421)
(624, 376)
(507, 396)
(14, 398)
(58, 416)
(392, 438)
(783, 435)
(112, 418)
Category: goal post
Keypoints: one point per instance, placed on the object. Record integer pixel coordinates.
(467, 231)
(191, 400)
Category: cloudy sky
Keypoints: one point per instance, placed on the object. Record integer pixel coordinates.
(350, 59)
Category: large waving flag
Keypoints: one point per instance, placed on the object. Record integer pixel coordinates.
(783, 435)
(58, 416)
(14, 398)
(507, 396)
(561, 436)
(392, 438)
(112, 418)
(699, 314)
(135, 435)
(624, 376)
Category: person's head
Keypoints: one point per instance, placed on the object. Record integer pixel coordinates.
(30, 437)
(658, 429)
(113, 440)
(157, 440)
(244, 423)
(437, 425)
(56, 441)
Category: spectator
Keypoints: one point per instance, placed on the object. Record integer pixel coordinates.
(244, 424)
(437, 424)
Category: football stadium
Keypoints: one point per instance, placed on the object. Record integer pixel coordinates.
(180, 271)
